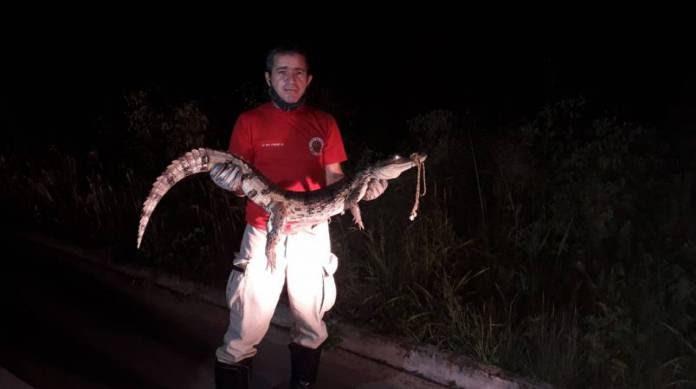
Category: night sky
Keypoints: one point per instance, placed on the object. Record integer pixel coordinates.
(56, 85)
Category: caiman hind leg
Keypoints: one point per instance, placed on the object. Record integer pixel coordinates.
(276, 224)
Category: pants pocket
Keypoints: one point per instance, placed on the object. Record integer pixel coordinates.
(329, 296)
(235, 286)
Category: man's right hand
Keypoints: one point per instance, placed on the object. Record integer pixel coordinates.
(227, 176)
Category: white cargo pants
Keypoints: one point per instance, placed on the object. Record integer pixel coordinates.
(304, 261)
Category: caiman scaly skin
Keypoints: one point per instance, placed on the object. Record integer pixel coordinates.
(284, 207)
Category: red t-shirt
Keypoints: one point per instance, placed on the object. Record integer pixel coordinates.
(289, 148)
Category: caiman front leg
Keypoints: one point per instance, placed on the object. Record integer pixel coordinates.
(357, 218)
(276, 222)
(352, 204)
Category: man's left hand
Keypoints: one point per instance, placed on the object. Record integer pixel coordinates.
(375, 188)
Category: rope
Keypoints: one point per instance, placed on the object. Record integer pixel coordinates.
(421, 174)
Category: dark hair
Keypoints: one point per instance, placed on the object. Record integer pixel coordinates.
(286, 49)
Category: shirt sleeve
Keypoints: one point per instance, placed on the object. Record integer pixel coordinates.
(241, 140)
(334, 150)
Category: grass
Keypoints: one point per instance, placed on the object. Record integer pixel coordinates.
(562, 249)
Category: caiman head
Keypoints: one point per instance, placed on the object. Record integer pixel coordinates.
(392, 168)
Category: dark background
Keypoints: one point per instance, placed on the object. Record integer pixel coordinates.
(59, 83)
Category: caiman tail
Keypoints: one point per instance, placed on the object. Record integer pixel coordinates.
(196, 161)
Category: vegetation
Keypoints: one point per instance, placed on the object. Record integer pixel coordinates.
(562, 248)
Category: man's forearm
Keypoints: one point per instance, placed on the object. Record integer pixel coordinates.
(333, 177)
(334, 173)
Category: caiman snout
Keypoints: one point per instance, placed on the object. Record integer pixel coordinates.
(393, 167)
(421, 157)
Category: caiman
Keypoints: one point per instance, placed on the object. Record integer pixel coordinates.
(285, 208)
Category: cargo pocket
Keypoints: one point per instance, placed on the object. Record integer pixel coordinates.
(235, 284)
(329, 296)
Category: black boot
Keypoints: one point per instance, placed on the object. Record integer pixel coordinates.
(235, 376)
(305, 364)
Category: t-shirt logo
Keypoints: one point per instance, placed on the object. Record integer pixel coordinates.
(316, 145)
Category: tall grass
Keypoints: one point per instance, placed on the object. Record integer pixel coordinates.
(573, 269)
(562, 249)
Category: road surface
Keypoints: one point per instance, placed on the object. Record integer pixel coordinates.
(71, 324)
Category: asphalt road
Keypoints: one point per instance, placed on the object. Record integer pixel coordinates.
(69, 324)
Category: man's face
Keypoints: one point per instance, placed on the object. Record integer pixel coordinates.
(289, 77)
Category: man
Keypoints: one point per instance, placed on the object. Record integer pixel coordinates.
(300, 148)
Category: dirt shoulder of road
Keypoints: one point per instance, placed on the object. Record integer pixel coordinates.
(422, 361)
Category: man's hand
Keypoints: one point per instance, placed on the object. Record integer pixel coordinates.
(227, 176)
(375, 188)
